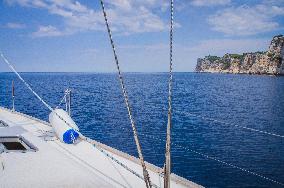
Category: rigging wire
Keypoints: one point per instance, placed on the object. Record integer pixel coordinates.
(211, 158)
(169, 124)
(27, 85)
(123, 88)
(168, 141)
(81, 136)
(231, 165)
(30, 88)
(149, 136)
(231, 124)
(96, 145)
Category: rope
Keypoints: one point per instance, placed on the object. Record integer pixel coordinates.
(185, 148)
(93, 142)
(231, 165)
(231, 124)
(72, 136)
(220, 161)
(27, 85)
(30, 88)
(169, 125)
(145, 172)
(209, 157)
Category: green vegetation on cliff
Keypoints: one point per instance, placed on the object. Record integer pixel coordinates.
(261, 62)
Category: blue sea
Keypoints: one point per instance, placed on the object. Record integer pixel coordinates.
(210, 112)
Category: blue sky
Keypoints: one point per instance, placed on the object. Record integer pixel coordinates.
(67, 35)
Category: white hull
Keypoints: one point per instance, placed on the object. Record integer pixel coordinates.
(55, 164)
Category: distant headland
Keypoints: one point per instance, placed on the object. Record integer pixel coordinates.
(270, 62)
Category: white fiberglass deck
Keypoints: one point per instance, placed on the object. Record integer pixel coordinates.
(55, 164)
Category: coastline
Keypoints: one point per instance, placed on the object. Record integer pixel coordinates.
(241, 73)
(270, 62)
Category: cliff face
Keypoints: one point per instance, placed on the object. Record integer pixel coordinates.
(269, 62)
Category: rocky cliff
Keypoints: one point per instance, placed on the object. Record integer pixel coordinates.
(269, 62)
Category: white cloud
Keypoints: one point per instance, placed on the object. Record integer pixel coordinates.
(185, 56)
(274, 2)
(201, 3)
(125, 16)
(137, 15)
(47, 31)
(148, 47)
(246, 20)
(211, 46)
(221, 46)
(11, 25)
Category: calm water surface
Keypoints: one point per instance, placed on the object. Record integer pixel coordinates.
(244, 100)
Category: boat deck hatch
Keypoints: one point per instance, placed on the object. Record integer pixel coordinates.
(16, 143)
(13, 146)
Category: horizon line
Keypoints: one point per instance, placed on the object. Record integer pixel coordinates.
(111, 72)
